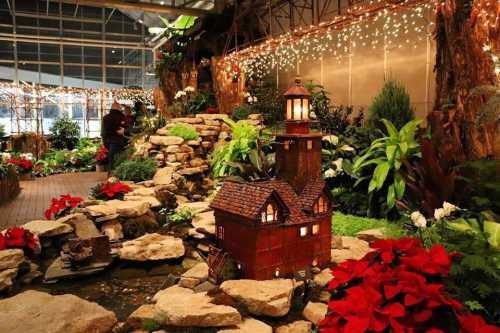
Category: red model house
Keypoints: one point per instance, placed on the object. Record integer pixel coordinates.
(277, 227)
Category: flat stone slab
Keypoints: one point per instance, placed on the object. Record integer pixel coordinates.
(299, 326)
(100, 210)
(269, 298)
(353, 248)
(47, 228)
(194, 276)
(59, 270)
(163, 176)
(34, 311)
(11, 258)
(249, 325)
(129, 208)
(84, 228)
(152, 247)
(152, 201)
(204, 222)
(315, 312)
(323, 277)
(183, 307)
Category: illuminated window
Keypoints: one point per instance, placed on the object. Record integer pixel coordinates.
(277, 272)
(220, 232)
(315, 229)
(270, 214)
(321, 206)
(287, 145)
(303, 231)
(309, 144)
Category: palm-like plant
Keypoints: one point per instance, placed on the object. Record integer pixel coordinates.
(387, 154)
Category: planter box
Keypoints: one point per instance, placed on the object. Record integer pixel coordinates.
(9, 187)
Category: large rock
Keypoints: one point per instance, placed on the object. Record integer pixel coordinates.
(323, 277)
(100, 210)
(33, 311)
(150, 199)
(143, 191)
(249, 325)
(113, 229)
(6, 280)
(11, 258)
(183, 307)
(270, 298)
(84, 228)
(152, 247)
(165, 140)
(47, 228)
(142, 314)
(204, 222)
(315, 312)
(371, 235)
(299, 326)
(163, 176)
(353, 248)
(129, 208)
(194, 276)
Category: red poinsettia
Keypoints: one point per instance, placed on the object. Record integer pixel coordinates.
(112, 190)
(396, 288)
(63, 203)
(23, 165)
(212, 110)
(471, 323)
(102, 153)
(17, 237)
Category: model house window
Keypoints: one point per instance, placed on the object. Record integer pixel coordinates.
(287, 145)
(309, 144)
(220, 232)
(315, 229)
(270, 214)
(303, 231)
(321, 206)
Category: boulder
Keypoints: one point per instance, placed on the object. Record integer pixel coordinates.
(11, 258)
(143, 313)
(353, 248)
(371, 235)
(129, 208)
(47, 228)
(183, 307)
(6, 281)
(249, 325)
(315, 312)
(165, 140)
(152, 247)
(113, 229)
(100, 210)
(299, 326)
(269, 298)
(163, 176)
(84, 228)
(150, 199)
(205, 222)
(34, 311)
(194, 276)
(323, 277)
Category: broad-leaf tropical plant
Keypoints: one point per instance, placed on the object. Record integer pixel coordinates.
(387, 154)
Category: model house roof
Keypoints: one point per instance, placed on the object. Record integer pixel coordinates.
(248, 199)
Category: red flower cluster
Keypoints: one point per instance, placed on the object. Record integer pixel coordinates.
(101, 154)
(395, 288)
(58, 205)
(112, 190)
(23, 165)
(17, 237)
(212, 110)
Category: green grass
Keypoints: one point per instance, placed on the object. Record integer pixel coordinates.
(349, 225)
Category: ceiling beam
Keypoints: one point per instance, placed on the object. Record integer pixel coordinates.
(139, 6)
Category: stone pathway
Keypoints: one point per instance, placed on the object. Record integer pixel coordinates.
(36, 195)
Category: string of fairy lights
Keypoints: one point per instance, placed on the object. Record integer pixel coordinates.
(375, 24)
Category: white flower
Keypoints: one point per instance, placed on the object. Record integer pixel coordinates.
(338, 163)
(347, 148)
(439, 214)
(255, 99)
(449, 208)
(5, 156)
(180, 94)
(312, 115)
(189, 89)
(333, 139)
(330, 173)
(418, 219)
(26, 156)
(250, 99)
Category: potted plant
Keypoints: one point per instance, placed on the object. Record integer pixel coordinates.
(23, 166)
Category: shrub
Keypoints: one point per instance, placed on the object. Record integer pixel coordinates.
(136, 170)
(393, 104)
(184, 131)
(65, 133)
(242, 111)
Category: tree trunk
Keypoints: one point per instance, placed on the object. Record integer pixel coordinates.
(461, 65)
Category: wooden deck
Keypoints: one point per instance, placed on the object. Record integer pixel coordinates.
(36, 194)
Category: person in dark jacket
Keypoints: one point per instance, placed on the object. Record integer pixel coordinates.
(113, 133)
